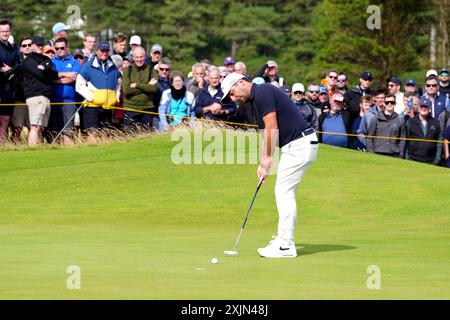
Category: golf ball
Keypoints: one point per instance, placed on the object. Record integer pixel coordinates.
(214, 261)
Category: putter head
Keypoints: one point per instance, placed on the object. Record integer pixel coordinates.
(231, 252)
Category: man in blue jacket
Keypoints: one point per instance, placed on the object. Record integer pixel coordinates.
(64, 91)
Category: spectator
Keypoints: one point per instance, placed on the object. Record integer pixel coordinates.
(365, 107)
(155, 55)
(423, 127)
(9, 67)
(135, 41)
(324, 100)
(38, 77)
(352, 97)
(411, 86)
(89, 45)
(79, 56)
(446, 137)
(164, 68)
(139, 88)
(444, 82)
(20, 116)
(335, 121)
(64, 91)
(389, 129)
(197, 82)
(223, 73)
(313, 98)
(439, 101)
(411, 103)
(394, 85)
(330, 81)
(286, 89)
(176, 103)
(241, 68)
(380, 96)
(59, 31)
(206, 64)
(207, 104)
(342, 82)
(99, 84)
(229, 64)
(269, 72)
(444, 120)
(308, 112)
(120, 45)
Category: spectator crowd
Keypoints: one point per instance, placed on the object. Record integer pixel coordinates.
(51, 90)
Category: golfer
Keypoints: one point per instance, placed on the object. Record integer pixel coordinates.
(285, 126)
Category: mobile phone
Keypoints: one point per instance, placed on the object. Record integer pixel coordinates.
(410, 103)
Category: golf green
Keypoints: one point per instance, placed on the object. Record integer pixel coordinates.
(137, 226)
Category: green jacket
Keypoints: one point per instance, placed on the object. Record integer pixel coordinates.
(140, 97)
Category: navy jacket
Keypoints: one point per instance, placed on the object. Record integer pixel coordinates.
(204, 99)
(9, 55)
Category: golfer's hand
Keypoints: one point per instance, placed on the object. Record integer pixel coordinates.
(264, 169)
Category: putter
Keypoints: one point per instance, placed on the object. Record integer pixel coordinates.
(73, 116)
(235, 252)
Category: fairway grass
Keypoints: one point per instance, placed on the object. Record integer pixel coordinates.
(140, 227)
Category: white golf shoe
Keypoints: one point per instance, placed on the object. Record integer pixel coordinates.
(278, 248)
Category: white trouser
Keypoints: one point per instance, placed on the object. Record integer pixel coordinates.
(295, 159)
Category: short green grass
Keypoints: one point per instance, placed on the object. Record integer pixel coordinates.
(141, 227)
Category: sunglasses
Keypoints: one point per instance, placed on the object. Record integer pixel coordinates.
(389, 102)
(60, 48)
(341, 80)
(431, 85)
(164, 69)
(314, 91)
(332, 77)
(297, 92)
(26, 45)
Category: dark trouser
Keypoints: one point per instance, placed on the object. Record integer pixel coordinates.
(138, 118)
(96, 118)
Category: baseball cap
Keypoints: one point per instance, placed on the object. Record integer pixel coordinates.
(298, 87)
(443, 71)
(272, 63)
(395, 80)
(431, 72)
(103, 45)
(78, 53)
(366, 75)
(228, 82)
(228, 60)
(424, 101)
(48, 49)
(258, 80)
(156, 48)
(58, 27)
(39, 41)
(411, 82)
(322, 90)
(135, 40)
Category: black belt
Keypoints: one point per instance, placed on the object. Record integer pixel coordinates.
(307, 132)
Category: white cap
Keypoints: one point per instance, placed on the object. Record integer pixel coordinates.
(272, 63)
(431, 72)
(298, 87)
(135, 40)
(229, 81)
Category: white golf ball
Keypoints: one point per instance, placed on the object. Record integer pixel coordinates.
(214, 261)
